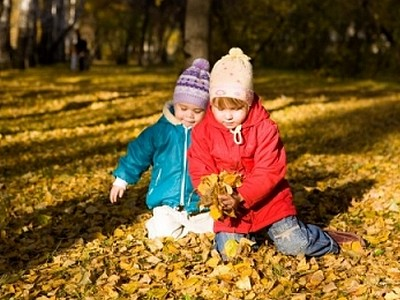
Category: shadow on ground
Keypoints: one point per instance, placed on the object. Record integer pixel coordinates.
(34, 238)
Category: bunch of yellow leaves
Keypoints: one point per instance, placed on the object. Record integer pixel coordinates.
(213, 185)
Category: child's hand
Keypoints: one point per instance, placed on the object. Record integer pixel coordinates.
(115, 193)
(230, 202)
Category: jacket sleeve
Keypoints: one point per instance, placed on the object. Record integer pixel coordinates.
(138, 157)
(269, 166)
(200, 161)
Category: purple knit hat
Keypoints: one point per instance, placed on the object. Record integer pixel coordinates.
(193, 84)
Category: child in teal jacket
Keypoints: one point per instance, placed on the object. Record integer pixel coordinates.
(163, 146)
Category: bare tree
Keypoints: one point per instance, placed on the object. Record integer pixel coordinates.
(5, 47)
(196, 35)
(58, 18)
(26, 43)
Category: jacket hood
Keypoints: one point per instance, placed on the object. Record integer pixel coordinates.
(168, 113)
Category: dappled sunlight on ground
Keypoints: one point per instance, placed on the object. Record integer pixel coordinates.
(61, 134)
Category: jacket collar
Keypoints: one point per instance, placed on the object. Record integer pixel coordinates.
(168, 112)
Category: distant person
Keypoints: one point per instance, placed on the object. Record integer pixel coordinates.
(238, 136)
(163, 147)
(79, 53)
(74, 58)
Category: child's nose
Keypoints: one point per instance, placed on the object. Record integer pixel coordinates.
(190, 114)
(228, 115)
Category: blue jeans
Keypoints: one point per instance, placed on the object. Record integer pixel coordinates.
(290, 236)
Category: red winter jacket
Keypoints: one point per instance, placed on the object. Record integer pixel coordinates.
(261, 159)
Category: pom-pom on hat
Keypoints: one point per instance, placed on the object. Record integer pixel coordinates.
(193, 84)
(232, 76)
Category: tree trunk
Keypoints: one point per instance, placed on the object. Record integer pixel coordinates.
(47, 36)
(19, 58)
(5, 46)
(26, 33)
(54, 29)
(196, 35)
(60, 32)
(144, 27)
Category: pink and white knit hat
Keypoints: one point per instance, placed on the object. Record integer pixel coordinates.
(232, 76)
(193, 84)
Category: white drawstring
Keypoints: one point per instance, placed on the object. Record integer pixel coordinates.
(237, 135)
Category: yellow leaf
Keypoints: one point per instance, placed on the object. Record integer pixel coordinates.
(250, 296)
(152, 259)
(223, 271)
(113, 279)
(299, 297)
(350, 285)
(244, 269)
(379, 238)
(392, 296)
(213, 262)
(176, 277)
(214, 184)
(394, 273)
(230, 213)
(125, 266)
(315, 279)
(215, 212)
(119, 232)
(245, 246)
(212, 179)
(303, 265)
(154, 245)
(159, 272)
(157, 293)
(68, 262)
(178, 265)
(228, 189)
(190, 281)
(244, 283)
(85, 279)
(207, 183)
(131, 287)
(170, 248)
(357, 247)
(231, 179)
(277, 291)
(329, 287)
(231, 248)
(246, 242)
(203, 188)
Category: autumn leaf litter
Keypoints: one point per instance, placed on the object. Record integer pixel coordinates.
(62, 239)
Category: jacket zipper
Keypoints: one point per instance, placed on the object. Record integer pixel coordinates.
(183, 182)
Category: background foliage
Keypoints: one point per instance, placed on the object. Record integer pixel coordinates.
(61, 134)
(345, 38)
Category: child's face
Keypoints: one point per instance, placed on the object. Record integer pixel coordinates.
(188, 114)
(230, 117)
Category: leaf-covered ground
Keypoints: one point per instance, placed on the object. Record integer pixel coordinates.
(61, 134)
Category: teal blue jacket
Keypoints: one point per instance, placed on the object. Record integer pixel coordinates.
(163, 147)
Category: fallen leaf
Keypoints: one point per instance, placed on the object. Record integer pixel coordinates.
(231, 248)
(244, 283)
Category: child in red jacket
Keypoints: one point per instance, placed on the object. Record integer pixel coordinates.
(237, 135)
